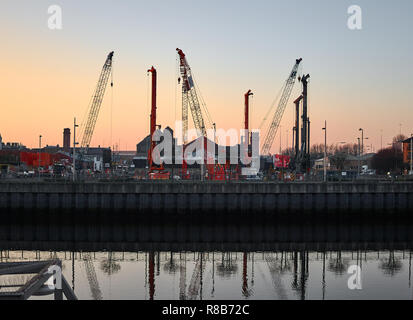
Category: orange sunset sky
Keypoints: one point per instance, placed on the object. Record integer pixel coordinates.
(359, 79)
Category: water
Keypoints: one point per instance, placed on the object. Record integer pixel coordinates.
(292, 275)
(114, 256)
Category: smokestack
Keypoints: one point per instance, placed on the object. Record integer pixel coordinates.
(66, 140)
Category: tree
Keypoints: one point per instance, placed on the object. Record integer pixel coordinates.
(338, 160)
(388, 160)
(397, 141)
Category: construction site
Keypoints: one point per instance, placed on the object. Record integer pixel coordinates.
(201, 158)
(198, 150)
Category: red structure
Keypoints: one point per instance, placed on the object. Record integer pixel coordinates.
(156, 172)
(31, 159)
(246, 120)
(281, 161)
(151, 275)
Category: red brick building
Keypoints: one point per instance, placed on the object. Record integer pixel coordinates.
(407, 150)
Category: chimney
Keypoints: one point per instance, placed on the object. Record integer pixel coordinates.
(66, 140)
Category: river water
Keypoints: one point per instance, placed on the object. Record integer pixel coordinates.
(384, 274)
(211, 260)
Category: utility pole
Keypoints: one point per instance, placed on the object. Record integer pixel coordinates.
(325, 151)
(74, 150)
(362, 140)
(381, 139)
(358, 169)
(411, 154)
(40, 153)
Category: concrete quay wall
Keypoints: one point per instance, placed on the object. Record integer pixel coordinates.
(208, 196)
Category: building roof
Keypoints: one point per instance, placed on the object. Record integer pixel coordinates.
(363, 157)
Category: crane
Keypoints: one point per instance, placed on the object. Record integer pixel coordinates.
(286, 93)
(156, 172)
(196, 279)
(97, 99)
(91, 277)
(276, 277)
(246, 116)
(191, 101)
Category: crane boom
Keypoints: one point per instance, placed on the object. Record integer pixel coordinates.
(91, 277)
(189, 99)
(272, 131)
(97, 102)
(194, 286)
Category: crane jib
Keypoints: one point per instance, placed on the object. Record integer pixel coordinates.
(191, 82)
(269, 138)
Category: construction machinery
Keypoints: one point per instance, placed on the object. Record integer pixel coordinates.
(96, 102)
(191, 100)
(246, 118)
(91, 276)
(195, 286)
(248, 138)
(301, 162)
(296, 130)
(279, 112)
(156, 170)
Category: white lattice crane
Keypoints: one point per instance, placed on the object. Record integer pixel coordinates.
(96, 102)
(190, 100)
(286, 93)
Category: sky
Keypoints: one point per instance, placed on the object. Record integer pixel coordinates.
(359, 78)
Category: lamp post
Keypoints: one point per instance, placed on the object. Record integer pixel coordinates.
(411, 154)
(74, 150)
(358, 169)
(325, 151)
(381, 139)
(362, 140)
(40, 153)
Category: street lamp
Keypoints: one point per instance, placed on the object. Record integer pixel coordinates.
(411, 154)
(40, 153)
(362, 140)
(74, 150)
(325, 150)
(358, 170)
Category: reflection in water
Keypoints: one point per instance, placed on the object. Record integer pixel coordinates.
(391, 265)
(223, 258)
(109, 265)
(338, 265)
(229, 275)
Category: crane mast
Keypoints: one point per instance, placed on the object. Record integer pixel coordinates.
(246, 117)
(272, 131)
(97, 101)
(156, 171)
(189, 99)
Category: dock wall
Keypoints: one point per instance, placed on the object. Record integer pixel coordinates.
(181, 197)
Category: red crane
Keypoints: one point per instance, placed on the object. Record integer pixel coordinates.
(156, 171)
(246, 120)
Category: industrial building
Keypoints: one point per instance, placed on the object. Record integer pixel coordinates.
(408, 150)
